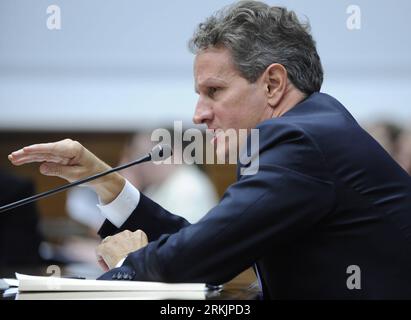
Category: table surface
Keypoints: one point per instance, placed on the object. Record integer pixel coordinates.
(243, 287)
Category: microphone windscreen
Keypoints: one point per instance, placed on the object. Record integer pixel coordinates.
(161, 152)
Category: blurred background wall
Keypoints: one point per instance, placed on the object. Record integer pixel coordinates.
(120, 66)
(124, 64)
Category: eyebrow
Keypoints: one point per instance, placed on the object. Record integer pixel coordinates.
(210, 81)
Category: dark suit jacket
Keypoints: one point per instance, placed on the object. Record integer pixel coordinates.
(326, 197)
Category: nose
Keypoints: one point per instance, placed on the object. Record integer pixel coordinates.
(203, 112)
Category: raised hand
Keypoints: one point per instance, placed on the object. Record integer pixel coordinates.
(71, 161)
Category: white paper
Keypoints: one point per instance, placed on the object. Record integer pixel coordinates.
(112, 295)
(11, 282)
(11, 292)
(28, 283)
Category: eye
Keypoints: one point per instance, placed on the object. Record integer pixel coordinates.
(212, 91)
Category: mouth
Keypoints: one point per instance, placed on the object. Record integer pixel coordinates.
(215, 133)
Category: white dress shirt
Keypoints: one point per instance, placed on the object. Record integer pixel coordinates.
(120, 209)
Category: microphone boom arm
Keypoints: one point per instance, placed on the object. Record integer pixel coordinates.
(21, 202)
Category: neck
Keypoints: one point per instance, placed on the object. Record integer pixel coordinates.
(291, 98)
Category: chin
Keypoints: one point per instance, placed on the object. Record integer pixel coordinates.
(226, 153)
(221, 153)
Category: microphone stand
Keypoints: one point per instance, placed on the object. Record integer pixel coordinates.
(19, 203)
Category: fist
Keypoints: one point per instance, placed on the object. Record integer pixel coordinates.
(115, 248)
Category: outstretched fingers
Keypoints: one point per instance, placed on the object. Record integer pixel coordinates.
(42, 157)
(62, 152)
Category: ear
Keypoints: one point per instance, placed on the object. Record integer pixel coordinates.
(275, 81)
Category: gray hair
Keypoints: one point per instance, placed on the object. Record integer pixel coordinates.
(257, 36)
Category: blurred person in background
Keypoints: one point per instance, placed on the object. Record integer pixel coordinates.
(395, 140)
(20, 236)
(386, 133)
(81, 206)
(169, 185)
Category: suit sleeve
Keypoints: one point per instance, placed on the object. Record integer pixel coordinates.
(149, 217)
(289, 195)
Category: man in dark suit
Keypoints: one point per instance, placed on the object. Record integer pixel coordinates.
(327, 215)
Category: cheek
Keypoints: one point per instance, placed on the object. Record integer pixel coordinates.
(256, 104)
(231, 117)
(256, 98)
(224, 113)
(249, 109)
(240, 109)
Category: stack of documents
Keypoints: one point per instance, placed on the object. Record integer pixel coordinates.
(34, 287)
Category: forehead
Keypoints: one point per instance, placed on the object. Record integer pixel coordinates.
(213, 63)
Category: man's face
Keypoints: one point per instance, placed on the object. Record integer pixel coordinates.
(226, 99)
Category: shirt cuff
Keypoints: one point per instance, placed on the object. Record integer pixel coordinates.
(121, 208)
(120, 263)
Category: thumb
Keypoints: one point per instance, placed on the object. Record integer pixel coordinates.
(142, 236)
(103, 264)
(54, 169)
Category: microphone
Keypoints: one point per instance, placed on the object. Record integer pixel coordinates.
(158, 153)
